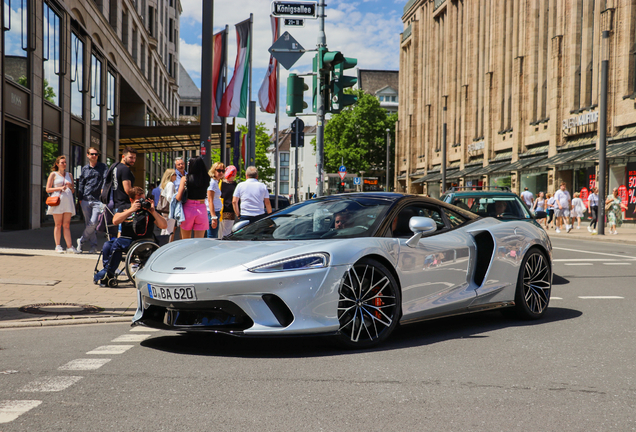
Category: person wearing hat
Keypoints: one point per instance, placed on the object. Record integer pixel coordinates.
(227, 192)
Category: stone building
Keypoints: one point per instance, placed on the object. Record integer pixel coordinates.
(383, 84)
(517, 83)
(80, 73)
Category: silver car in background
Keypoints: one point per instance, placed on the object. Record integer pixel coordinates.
(353, 266)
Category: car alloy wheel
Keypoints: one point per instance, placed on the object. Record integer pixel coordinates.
(534, 285)
(137, 257)
(369, 305)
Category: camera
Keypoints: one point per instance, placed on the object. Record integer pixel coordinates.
(145, 204)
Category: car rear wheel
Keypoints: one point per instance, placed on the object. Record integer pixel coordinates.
(533, 286)
(369, 306)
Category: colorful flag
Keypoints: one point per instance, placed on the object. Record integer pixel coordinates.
(234, 103)
(267, 92)
(218, 73)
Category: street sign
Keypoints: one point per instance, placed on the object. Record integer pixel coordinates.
(295, 9)
(294, 22)
(356, 181)
(342, 168)
(286, 50)
(342, 171)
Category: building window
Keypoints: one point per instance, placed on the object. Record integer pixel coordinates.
(134, 44)
(124, 28)
(96, 91)
(284, 188)
(151, 21)
(111, 101)
(284, 173)
(143, 58)
(51, 54)
(284, 159)
(77, 76)
(181, 110)
(113, 14)
(170, 30)
(195, 111)
(393, 98)
(187, 111)
(381, 98)
(16, 41)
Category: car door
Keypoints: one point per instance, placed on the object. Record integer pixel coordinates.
(434, 273)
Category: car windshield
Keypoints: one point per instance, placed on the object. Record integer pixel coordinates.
(319, 219)
(504, 207)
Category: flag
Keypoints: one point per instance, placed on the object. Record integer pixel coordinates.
(267, 92)
(218, 73)
(234, 103)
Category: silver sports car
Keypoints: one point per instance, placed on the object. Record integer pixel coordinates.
(353, 266)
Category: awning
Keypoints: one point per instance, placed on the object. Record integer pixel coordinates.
(526, 162)
(488, 169)
(170, 138)
(565, 157)
(613, 151)
(463, 173)
(431, 174)
(438, 177)
(417, 173)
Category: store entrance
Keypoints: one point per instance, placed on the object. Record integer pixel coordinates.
(15, 177)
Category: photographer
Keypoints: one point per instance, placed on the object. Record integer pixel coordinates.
(137, 222)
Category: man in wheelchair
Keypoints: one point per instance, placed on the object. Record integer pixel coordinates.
(137, 222)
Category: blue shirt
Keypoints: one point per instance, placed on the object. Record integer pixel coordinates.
(91, 181)
(593, 200)
(178, 180)
(156, 194)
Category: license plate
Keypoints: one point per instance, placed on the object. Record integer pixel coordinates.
(182, 293)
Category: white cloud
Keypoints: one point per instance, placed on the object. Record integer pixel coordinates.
(190, 58)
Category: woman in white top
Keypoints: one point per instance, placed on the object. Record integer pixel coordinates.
(60, 183)
(578, 209)
(214, 203)
(539, 205)
(167, 191)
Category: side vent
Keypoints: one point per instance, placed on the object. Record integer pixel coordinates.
(485, 249)
(279, 309)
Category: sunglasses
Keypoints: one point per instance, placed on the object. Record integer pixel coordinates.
(220, 170)
(93, 154)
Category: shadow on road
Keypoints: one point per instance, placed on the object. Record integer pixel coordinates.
(420, 334)
(559, 280)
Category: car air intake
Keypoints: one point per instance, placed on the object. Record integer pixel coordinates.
(485, 249)
(279, 309)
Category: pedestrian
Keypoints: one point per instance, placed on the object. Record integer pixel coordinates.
(156, 192)
(214, 204)
(253, 197)
(527, 197)
(167, 193)
(90, 187)
(194, 191)
(592, 206)
(124, 179)
(179, 167)
(578, 209)
(136, 222)
(539, 205)
(550, 204)
(60, 184)
(562, 208)
(614, 207)
(227, 193)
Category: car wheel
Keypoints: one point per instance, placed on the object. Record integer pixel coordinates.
(369, 306)
(137, 256)
(533, 286)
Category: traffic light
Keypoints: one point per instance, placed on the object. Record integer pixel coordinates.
(295, 93)
(324, 62)
(340, 82)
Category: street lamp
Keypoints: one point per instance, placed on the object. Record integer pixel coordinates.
(388, 144)
(362, 181)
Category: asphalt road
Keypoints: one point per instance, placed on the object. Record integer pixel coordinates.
(572, 371)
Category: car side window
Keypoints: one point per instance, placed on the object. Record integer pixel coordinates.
(454, 218)
(400, 224)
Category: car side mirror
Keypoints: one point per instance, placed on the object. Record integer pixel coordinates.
(420, 226)
(237, 226)
(540, 214)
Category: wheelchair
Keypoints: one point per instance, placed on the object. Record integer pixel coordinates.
(133, 259)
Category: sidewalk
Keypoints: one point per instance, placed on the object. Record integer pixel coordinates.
(626, 234)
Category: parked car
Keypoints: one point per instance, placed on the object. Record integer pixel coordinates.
(353, 266)
(498, 202)
(283, 202)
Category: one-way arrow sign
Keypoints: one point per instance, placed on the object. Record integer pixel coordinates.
(286, 50)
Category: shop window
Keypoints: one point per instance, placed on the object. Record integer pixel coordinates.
(51, 54)
(111, 98)
(77, 76)
(96, 91)
(16, 42)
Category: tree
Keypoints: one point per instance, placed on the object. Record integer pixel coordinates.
(265, 172)
(356, 137)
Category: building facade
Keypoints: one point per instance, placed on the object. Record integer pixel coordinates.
(74, 72)
(383, 84)
(516, 85)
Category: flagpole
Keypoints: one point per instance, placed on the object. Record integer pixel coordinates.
(252, 122)
(276, 155)
(207, 44)
(224, 153)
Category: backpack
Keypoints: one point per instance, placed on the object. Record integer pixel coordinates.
(108, 185)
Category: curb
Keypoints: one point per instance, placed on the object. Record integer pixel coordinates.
(65, 322)
(594, 238)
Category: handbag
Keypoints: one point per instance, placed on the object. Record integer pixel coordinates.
(609, 205)
(53, 201)
(163, 206)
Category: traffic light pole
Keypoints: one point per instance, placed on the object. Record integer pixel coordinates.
(320, 103)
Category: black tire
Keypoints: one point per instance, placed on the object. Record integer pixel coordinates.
(534, 286)
(370, 305)
(137, 256)
(112, 282)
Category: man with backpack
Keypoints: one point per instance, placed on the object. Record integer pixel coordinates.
(118, 181)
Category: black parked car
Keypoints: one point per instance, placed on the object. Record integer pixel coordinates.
(282, 202)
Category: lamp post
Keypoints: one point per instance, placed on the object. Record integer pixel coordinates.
(362, 181)
(388, 144)
(602, 123)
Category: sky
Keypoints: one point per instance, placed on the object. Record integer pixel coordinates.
(368, 30)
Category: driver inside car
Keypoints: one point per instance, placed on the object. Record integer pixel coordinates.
(500, 208)
(342, 220)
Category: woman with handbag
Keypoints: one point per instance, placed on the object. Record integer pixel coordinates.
(614, 207)
(165, 198)
(61, 203)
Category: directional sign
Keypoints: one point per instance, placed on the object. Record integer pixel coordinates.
(342, 168)
(356, 181)
(286, 50)
(294, 22)
(295, 9)
(342, 171)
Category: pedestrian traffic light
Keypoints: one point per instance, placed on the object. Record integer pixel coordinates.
(339, 83)
(295, 94)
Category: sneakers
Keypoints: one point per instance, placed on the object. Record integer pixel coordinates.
(59, 249)
(79, 245)
(72, 250)
(578, 227)
(594, 232)
(568, 228)
(557, 230)
(589, 229)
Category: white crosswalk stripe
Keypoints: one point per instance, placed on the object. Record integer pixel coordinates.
(143, 329)
(111, 349)
(601, 297)
(12, 409)
(131, 338)
(51, 384)
(84, 364)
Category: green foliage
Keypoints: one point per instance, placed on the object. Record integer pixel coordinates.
(49, 93)
(265, 172)
(357, 137)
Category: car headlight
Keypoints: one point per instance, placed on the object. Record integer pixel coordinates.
(300, 262)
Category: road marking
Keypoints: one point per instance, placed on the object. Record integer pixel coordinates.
(84, 364)
(587, 260)
(600, 297)
(556, 298)
(595, 253)
(51, 384)
(578, 264)
(143, 329)
(12, 409)
(111, 349)
(131, 338)
(617, 263)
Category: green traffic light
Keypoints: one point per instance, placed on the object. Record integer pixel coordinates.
(295, 93)
(340, 82)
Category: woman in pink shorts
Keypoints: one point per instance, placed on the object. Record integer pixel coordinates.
(196, 214)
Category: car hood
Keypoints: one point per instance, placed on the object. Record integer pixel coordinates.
(205, 255)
